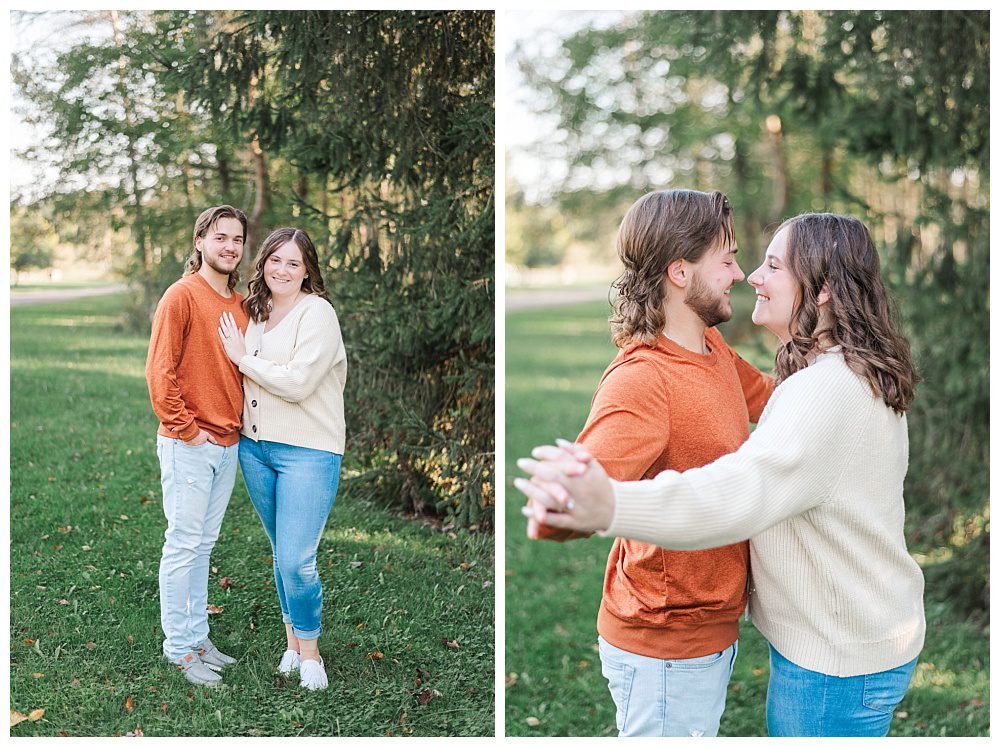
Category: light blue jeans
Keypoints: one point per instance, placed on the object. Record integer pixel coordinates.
(667, 697)
(197, 484)
(804, 703)
(293, 489)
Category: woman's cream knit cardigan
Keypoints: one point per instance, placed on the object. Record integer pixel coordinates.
(294, 374)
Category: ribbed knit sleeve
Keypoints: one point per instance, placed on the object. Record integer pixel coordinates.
(317, 343)
(789, 465)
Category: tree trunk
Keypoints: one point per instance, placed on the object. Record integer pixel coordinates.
(262, 196)
(139, 227)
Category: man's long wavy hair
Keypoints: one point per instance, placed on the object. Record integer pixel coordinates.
(201, 227)
(838, 251)
(258, 300)
(660, 228)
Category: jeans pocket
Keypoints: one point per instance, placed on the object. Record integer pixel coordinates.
(885, 690)
(699, 662)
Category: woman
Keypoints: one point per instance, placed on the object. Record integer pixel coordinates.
(292, 442)
(818, 489)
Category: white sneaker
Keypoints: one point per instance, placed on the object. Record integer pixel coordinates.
(312, 675)
(289, 662)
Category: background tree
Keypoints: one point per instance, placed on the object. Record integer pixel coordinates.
(33, 241)
(371, 130)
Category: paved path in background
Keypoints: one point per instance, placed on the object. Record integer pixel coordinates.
(61, 294)
(559, 297)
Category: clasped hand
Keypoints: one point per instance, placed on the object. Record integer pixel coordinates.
(568, 489)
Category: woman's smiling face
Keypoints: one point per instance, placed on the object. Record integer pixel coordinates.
(777, 289)
(284, 270)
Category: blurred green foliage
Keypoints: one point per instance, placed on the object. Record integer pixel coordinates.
(372, 130)
(881, 115)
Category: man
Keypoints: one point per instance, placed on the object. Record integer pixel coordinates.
(197, 395)
(676, 396)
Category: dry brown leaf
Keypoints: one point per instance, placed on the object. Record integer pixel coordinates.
(28, 642)
(137, 732)
(510, 680)
(225, 582)
(214, 609)
(129, 704)
(451, 644)
(163, 707)
(376, 655)
(131, 640)
(90, 645)
(36, 714)
(424, 696)
(532, 721)
(16, 717)
(37, 675)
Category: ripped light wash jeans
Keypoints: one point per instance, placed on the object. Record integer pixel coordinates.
(804, 703)
(667, 697)
(292, 488)
(197, 484)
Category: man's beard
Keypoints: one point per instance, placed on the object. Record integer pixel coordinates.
(710, 309)
(216, 265)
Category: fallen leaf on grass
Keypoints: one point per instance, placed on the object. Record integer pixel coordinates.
(86, 548)
(974, 703)
(451, 644)
(136, 733)
(28, 642)
(902, 714)
(17, 717)
(163, 707)
(37, 675)
(758, 671)
(75, 682)
(214, 609)
(402, 719)
(532, 721)
(90, 645)
(63, 602)
(225, 582)
(129, 704)
(131, 641)
(510, 680)
(376, 655)
(425, 696)
(356, 564)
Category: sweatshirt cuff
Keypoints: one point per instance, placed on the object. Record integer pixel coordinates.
(635, 503)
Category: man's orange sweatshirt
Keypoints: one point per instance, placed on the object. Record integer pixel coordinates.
(670, 408)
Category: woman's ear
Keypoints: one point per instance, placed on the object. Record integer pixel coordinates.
(824, 295)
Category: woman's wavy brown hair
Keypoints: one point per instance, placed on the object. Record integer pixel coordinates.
(838, 251)
(660, 228)
(258, 300)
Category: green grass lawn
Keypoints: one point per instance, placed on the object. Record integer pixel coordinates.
(408, 611)
(554, 360)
